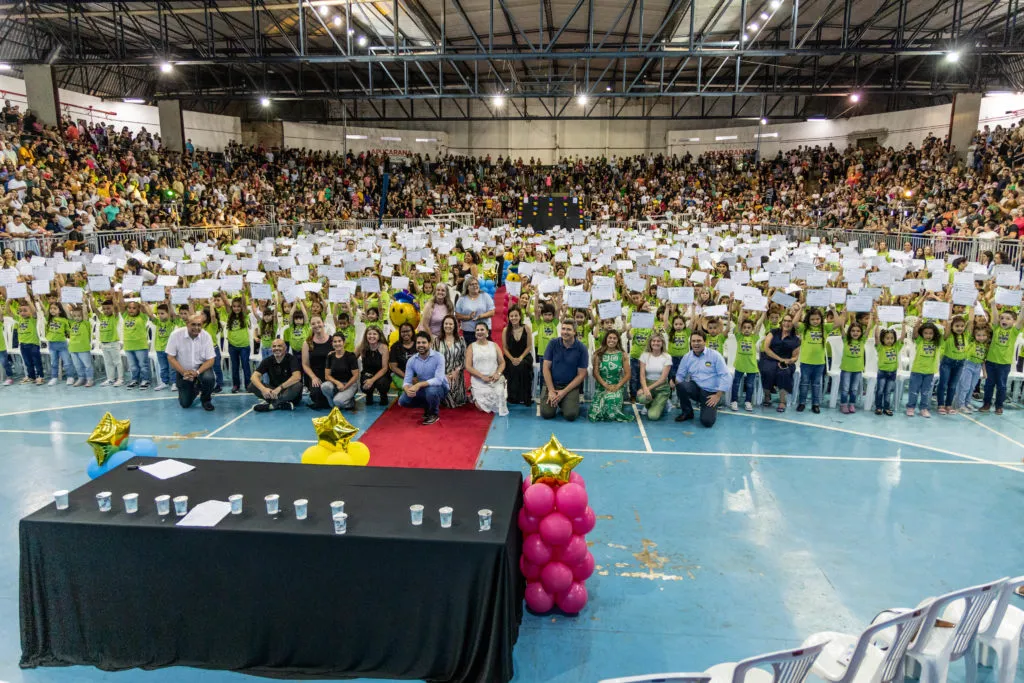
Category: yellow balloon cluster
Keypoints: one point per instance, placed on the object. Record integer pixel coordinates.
(334, 443)
(551, 462)
(109, 437)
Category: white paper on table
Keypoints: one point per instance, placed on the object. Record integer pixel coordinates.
(207, 514)
(1008, 297)
(890, 314)
(167, 469)
(936, 310)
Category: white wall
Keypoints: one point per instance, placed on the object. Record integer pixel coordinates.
(347, 139)
(207, 131)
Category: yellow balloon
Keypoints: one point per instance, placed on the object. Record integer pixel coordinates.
(509, 256)
(552, 461)
(358, 453)
(334, 431)
(393, 337)
(316, 455)
(109, 437)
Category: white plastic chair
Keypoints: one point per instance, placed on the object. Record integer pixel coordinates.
(788, 666)
(857, 659)
(836, 344)
(1015, 381)
(936, 648)
(1000, 632)
(661, 678)
(870, 376)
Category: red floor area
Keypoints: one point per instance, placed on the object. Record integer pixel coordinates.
(397, 439)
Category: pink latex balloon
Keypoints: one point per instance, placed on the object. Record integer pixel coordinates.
(556, 529)
(584, 568)
(571, 500)
(530, 570)
(539, 500)
(527, 522)
(556, 577)
(535, 550)
(584, 524)
(527, 483)
(573, 599)
(575, 478)
(572, 552)
(538, 599)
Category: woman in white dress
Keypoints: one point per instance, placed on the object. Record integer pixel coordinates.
(485, 365)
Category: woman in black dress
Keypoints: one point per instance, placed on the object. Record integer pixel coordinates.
(375, 376)
(314, 361)
(516, 343)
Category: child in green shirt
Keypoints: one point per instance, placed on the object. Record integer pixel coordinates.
(58, 328)
(136, 342)
(1000, 357)
(851, 367)
(745, 364)
(974, 368)
(927, 342)
(955, 348)
(888, 346)
(24, 314)
(110, 343)
(163, 325)
(80, 344)
(239, 343)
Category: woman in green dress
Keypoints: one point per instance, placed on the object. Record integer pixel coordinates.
(612, 375)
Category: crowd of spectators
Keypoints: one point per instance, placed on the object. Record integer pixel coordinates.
(86, 177)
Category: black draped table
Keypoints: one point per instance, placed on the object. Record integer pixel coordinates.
(276, 596)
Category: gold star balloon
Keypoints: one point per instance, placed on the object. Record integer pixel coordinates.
(334, 431)
(109, 437)
(552, 461)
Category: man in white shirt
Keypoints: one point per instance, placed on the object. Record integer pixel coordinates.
(190, 352)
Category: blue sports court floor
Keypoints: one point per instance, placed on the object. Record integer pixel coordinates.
(712, 545)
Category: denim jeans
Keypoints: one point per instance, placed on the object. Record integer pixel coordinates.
(949, 375)
(849, 387)
(59, 354)
(810, 378)
(969, 377)
(688, 391)
(429, 398)
(138, 365)
(83, 365)
(996, 381)
(33, 360)
(634, 377)
(218, 370)
(168, 375)
(884, 387)
(920, 390)
(748, 379)
(239, 356)
(337, 397)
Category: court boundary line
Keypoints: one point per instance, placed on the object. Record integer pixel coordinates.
(643, 432)
(228, 423)
(172, 397)
(993, 430)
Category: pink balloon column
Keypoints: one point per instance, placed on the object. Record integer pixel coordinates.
(555, 520)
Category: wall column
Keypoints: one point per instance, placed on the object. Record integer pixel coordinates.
(172, 127)
(963, 121)
(41, 93)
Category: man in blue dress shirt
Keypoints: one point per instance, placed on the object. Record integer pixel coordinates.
(425, 382)
(702, 376)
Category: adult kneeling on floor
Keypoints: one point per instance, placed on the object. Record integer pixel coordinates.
(565, 368)
(190, 353)
(425, 383)
(702, 376)
(282, 387)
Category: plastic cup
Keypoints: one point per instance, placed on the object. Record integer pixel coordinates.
(103, 500)
(131, 503)
(181, 505)
(301, 506)
(60, 499)
(416, 515)
(163, 505)
(236, 503)
(446, 517)
(340, 523)
(273, 503)
(485, 519)
(337, 507)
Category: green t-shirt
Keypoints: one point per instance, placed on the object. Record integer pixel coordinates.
(136, 336)
(889, 357)
(746, 352)
(238, 333)
(1000, 349)
(28, 331)
(162, 332)
(80, 336)
(295, 338)
(213, 329)
(108, 328)
(954, 351)
(544, 332)
(350, 338)
(926, 360)
(977, 351)
(716, 342)
(638, 342)
(853, 355)
(57, 329)
(679, 343)
(812, 343)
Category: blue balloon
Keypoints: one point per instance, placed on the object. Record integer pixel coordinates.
(143, 447)
(116, 460)
(94, 470)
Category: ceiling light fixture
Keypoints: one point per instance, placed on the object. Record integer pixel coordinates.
(362, 41)
(745, 37)
(753, 26)
(324, 9)
(499, 101)
(953, 57)
(582, 99)
(166, 67)
(764, 121)
(765, 16)
(5, 67)
(337, 20)
(264, 101)
(133, 100)
(776, 4)
(855, 97)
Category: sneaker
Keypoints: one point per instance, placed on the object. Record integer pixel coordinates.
(130, 385)
(888, 412)
(71, 381)
(851, 409)
(910, 412)
(734, 406)
(106, 382)
(8, 382)
(174, 387)
(118, 383)
(52, 382)
(160, 387)
(264, 407)
(801, 407)
(88, 383)
(999, 411)
(985, 408)
(815, 409)
(208, 406)
(144, 385)
(942, 410)
(234, 390)
(748, 406)
(285, 405)
(925, 412)
(842, 408)
(217, 389)
(430, 419)
(80, 382)
(967, 409)
(25, 380)
(878, 411)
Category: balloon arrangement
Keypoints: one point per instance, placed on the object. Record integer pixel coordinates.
(487, 287)
(109, 441)
(334, 442)
(555, 519)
